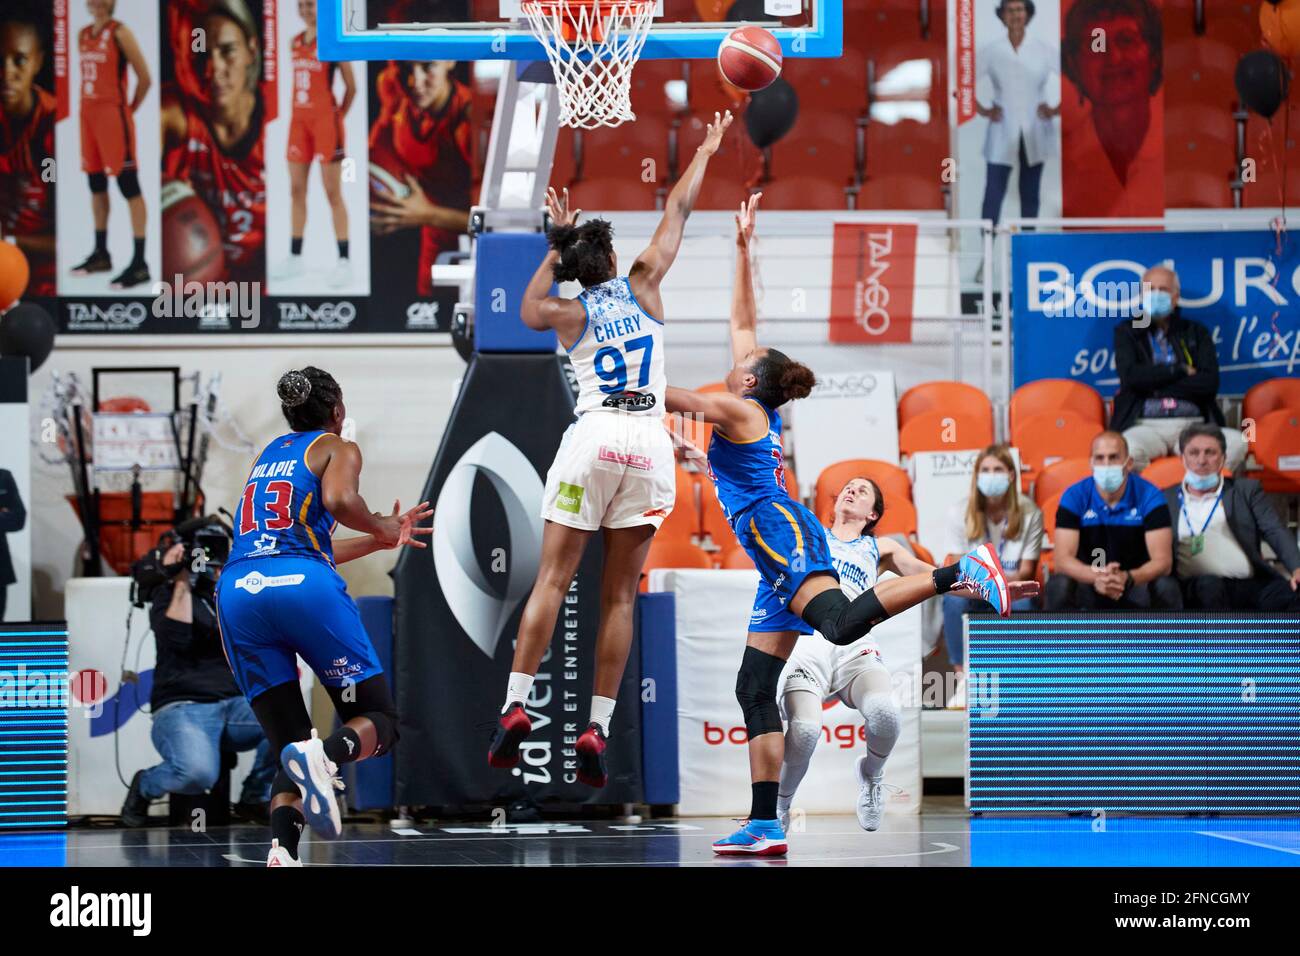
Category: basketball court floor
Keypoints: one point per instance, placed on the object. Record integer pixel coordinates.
(944, 835)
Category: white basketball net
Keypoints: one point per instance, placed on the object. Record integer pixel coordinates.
(593, 70)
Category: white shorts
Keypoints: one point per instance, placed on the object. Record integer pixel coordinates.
(613, 470)
(826, 670)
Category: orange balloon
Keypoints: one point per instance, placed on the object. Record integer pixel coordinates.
(14, 273)
(1280, 25)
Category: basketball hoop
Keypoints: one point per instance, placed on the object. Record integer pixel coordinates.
(592, 46)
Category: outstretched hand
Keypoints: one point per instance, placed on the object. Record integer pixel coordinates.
(409, 525)
(746, 218)
(561, 214)
(713, 137)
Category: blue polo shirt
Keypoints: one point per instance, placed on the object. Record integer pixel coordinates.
(1119, 530)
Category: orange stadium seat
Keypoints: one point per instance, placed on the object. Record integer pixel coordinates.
(1164, 471)
(893, 481)
(734, 558)
(1051, 436)
(944, 431)
(805, 192)
(669, 553)
(1048, 507)
(1277, 451)
(1048, 394)
(899, 518)
(684, 522)
(900, 192)
(1058, 476)
(1269, 396)
(1193, 189)
(713, 521)
(944, 397)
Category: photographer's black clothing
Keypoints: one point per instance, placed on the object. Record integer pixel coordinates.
(191, 664)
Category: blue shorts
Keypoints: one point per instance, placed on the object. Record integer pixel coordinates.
(271, 609)
(786, 543)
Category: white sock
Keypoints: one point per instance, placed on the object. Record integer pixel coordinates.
(602, 710)
(517, 689)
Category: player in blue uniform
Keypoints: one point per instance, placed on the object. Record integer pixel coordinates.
(279, 596)
(799, 592)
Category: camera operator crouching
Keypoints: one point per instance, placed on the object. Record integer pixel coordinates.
(198, 711)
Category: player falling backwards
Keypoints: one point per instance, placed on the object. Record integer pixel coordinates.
(800, 591)
(615, 469)
(279, 596)
(854, 674)
(316, 132)
(105, 48)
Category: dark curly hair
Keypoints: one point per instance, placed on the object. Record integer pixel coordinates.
(780, 379)
(1084, 14)
(308, 397)
(586, 252)
(1029, 9)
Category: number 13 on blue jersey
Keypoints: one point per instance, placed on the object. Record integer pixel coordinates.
(612, 367)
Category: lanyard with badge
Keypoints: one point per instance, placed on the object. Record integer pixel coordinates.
(1002, 529)
(1197, 539)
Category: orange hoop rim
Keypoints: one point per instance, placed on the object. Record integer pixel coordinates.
(569, 26)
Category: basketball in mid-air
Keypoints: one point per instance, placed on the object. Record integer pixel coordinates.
(191, 236)
(750, 58)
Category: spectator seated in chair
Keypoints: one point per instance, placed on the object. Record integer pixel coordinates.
(1220, 524)
(1114, 544)
(1168, 376)
(198, 711)
(997, 513)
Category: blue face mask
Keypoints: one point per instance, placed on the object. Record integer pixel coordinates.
(1157, 304)
(1202, 482)
(1108, 477)
(993, 484)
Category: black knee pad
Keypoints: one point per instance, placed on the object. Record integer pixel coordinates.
(128, 183)
(386, 734)
(840, 620)
(98, 182)
(756, 691)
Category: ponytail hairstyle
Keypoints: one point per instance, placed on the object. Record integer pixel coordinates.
(586, 252)
(308, 397)
(780, 379)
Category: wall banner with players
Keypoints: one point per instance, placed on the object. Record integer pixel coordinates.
(190, 166)
(1072, 290)
(459, 603)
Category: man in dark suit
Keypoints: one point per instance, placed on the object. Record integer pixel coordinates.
(12, 518)
(1168, 376)
(1219, 525)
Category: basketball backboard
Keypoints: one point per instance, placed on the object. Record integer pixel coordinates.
(495, 30)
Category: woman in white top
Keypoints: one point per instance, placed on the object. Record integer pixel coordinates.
(1019, 69)
(997, 513)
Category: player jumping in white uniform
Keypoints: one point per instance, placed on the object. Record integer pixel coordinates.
(854, 674)
(615, 469)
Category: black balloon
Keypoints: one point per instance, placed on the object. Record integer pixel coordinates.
(1262, 82)
(28, 330)
(771, 113)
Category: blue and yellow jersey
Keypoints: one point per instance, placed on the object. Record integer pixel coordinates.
(750, 472)
(280, 511)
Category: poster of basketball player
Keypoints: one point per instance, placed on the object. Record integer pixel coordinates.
(419, 164)
(15, 493)
(28, 114)
(315, 168)
(107, 146)
(213, 111)
(1005, 76)
(1112, 108)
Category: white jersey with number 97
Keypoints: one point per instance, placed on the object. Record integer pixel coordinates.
(620, 351)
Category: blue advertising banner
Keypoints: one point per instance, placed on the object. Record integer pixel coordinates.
(1071, 290)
